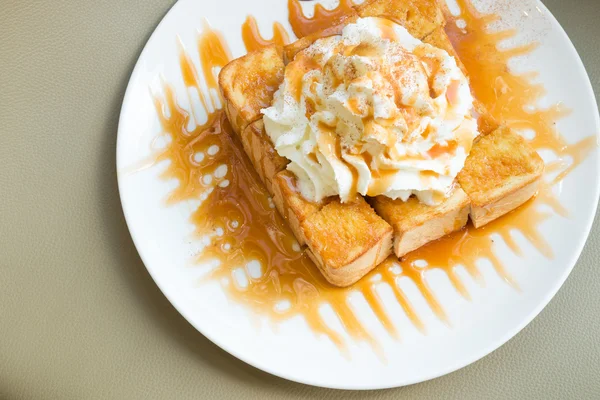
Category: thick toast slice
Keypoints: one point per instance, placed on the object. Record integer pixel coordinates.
(265, 159)
(292, 205)
(347, 240)
(502, 172)
(416, 224)
(248, 84)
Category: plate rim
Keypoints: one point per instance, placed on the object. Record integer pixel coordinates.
(461, 363)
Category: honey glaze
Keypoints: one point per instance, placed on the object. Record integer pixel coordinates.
(253, 40)
(244, 230)
(323, 18)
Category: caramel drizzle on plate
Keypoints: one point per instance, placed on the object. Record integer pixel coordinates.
(322, 18)
(253, 40)
(238, 218)
(509, 97)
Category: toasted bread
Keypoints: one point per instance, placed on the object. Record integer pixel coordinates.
(291, 204)
(419, 17)
(416, 224)
(248, 84)
(347, 240)
(502, 172)
(261, 152)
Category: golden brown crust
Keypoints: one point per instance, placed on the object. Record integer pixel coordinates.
(248, 84)
(416, 224)
(347, 240)
(481, 215)
(498, 165)
(265, 159)
(291, 204)
(361, 266)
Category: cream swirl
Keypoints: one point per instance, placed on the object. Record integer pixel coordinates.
(373, 111)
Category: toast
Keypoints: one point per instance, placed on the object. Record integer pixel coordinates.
(347, 240)
(502, 172)
(265, 159)
(292, 206)
(248, 84)
(416, 224)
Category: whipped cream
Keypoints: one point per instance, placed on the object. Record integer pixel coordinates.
(373, 111)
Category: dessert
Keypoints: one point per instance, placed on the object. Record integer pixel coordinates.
(363, 131)
(501, 173)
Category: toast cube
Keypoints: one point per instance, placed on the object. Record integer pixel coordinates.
(248, 84)
(259, 148)
(347, 240)
(502, 172)
(419, 17)
(292, 205)
(416, 224)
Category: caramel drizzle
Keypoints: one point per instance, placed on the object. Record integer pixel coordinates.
(253, 40)
(238, 216)
(508, 96)
(322, 18)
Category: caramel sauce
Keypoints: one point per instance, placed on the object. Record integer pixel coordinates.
(237, 213)
(253, 40)
(438, 149)
(323, 18)
(508, 96)
(296, 70)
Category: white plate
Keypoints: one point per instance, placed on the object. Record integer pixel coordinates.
(495, 314)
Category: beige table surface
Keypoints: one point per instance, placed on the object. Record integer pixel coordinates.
(79, 315)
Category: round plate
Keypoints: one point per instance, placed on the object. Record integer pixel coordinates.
(496, 311)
